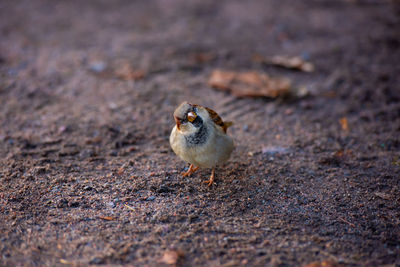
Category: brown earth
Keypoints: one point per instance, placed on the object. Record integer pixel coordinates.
(87, 92)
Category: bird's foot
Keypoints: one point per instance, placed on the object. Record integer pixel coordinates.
(190, 171)
(211, 180)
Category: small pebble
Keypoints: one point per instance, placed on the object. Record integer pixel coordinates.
(272, 150)
(151, 198)
(111, 204)
(98, 66)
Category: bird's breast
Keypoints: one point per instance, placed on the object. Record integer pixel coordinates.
(200, 137)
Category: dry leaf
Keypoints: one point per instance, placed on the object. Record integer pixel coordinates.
(107, 218)
(249, 84)
(337, 158)
(65, 262)
(126, 72)
(323, 264)
(94, 140)
(171, 257)
(296, 63)
(121, 170)
(221, 79)
(203, 57)
(343, 153)
(344, 123)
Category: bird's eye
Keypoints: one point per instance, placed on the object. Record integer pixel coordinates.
(191, 116)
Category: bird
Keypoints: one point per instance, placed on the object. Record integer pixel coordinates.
(200, 138)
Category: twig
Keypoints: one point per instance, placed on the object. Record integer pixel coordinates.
(129, 207)
(345, 221)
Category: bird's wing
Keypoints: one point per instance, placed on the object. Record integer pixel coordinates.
(217, 120)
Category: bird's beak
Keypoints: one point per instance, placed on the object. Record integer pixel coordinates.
(178, 122)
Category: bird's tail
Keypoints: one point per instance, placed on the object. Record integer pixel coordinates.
(227, 124)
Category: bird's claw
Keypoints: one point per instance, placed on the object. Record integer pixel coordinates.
(190, 171)
(209, 182)
(184, 174)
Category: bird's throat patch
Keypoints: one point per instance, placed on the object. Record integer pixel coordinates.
(198, 138)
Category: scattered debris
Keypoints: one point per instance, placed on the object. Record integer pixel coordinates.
(171, 257)
(98, 66)
(111, 204)
(127, 73)
(383, 195)
(66, 262)
(150, 198)
(344, 124)
(296, 63)
(272, 150)
(249, 84)
(323, 264)
(94, 140)
(396, 161)
(343, 153)
(107, 218)
(302, 91)
(129, 207)
(346, 221)
(121, 170)
(337, 157)
(202, 57)
(288, 111)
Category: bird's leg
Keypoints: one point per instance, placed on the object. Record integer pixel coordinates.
(211, 181)
(190, 171)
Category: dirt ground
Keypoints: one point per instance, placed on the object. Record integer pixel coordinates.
(87, 92)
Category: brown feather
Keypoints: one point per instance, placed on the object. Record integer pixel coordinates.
(217, 119)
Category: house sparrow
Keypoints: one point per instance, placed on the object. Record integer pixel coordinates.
(199, 138)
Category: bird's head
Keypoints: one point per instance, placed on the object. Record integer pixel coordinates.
(189, 117)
